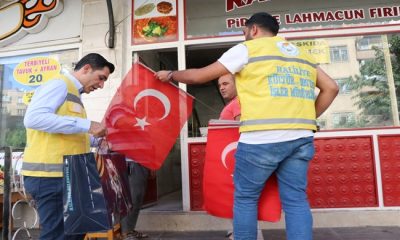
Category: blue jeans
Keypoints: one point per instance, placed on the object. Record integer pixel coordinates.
(254, 164)
(48, 195)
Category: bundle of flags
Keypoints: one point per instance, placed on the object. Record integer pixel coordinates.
(143, 122)
(145, 117)
(218, 186)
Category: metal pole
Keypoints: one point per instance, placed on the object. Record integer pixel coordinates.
(6, 231)
(2, 115)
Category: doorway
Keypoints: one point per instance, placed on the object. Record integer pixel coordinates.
(208, 101)
(164, 191)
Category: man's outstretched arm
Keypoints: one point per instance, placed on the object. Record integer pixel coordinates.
(194, 75)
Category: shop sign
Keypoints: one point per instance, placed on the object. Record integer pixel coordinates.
(22, 17)
(35, 71)
(318, 48)
(208, 18)
(154, 21)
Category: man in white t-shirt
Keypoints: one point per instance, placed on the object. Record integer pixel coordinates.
(275, 81)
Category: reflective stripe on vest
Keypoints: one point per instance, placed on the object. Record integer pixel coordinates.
(43, 167)
(280, 58)
(277, 121)
(276, 86)
(72, 98)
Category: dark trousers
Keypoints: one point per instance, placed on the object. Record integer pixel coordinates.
(48, 195)
(137, 177)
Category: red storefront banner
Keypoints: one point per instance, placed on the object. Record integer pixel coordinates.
(145, 117)
(218, 176)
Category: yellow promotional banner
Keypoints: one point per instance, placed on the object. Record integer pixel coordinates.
(37, 70)
(26, 98)
(318, 48)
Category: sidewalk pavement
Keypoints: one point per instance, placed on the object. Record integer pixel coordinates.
(352, 233)
(359, 233)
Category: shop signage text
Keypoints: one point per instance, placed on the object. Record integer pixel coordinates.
(326, 16)
(210, 18)
(34, 72)
(318, 48)
(232, 4)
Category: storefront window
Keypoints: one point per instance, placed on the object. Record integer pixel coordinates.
(368, 82)
(19, 77)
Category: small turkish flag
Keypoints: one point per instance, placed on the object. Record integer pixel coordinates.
(218, 176)
(145, 117)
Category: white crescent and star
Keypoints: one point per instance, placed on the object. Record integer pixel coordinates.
(141, 122)
(230, 147)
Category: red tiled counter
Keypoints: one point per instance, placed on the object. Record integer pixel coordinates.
(389, 151)
(343, 173)
(197, 153)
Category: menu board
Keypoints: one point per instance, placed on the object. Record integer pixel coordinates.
(154, 21)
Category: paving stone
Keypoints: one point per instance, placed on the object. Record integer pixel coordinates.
(353, 233)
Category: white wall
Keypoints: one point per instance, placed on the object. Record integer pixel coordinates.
(95, 27)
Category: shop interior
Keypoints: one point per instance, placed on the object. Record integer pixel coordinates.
(165, 187)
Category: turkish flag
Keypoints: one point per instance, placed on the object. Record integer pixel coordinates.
(145, 117)
(218, 176)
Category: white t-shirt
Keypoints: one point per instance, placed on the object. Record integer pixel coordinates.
(234, 60)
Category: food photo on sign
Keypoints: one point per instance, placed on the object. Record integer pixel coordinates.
(154, 21)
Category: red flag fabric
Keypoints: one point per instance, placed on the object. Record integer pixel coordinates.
(145, 117)
(218, 176)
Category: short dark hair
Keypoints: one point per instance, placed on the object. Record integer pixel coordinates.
(264, 20)
(96, 61)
